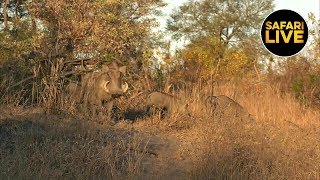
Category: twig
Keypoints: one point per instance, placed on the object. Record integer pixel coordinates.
(136, 95)
(20, 82)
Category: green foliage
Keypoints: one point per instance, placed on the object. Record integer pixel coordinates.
(228, 20)
(314, 79)
(299, 76)
(159, 78)
(46, 39)
(223, 35)
(297, 86)
(16, 43)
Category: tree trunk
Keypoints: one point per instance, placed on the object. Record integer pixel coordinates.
(5, 14)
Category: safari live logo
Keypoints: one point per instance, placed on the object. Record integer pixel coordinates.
(284, 33)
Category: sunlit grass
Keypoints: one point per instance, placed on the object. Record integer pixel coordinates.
(282, 142)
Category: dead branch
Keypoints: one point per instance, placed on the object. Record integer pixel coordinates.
(20, 82)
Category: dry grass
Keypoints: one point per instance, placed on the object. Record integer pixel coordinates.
(282, 143)
(39, 146)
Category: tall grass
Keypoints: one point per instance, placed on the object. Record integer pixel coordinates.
(36, 149)
(282, 142)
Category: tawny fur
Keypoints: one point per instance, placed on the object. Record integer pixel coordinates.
(167, 101)
(223, 107)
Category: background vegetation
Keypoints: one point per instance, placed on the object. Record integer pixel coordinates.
(47, 44)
